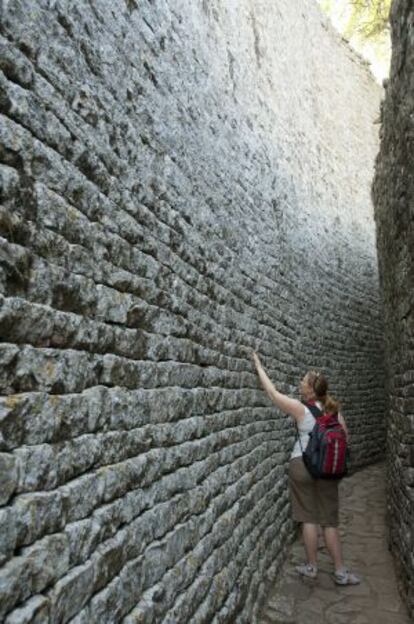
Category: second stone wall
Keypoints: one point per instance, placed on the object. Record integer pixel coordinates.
(394, 214)
(181, 183)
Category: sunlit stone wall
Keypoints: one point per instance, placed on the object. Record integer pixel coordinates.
(182, 182)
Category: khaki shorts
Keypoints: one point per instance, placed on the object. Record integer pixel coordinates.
(313, 500)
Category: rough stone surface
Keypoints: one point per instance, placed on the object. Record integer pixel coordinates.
(394, 215)
(180, 183)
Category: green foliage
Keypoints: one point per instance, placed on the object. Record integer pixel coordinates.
(369, 19)
(365, 24)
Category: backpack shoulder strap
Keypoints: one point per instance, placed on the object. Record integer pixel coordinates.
(298, 436)
(314, 409)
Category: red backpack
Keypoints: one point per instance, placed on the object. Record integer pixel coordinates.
(326, 455)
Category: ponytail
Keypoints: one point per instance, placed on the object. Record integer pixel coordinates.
(331, 405)
(319, 384)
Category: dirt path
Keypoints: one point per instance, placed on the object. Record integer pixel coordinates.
(376, 600)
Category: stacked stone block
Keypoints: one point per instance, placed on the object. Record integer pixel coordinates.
(394, 215)
(180, 184)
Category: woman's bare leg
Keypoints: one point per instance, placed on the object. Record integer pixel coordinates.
(310, 538)
(333, 544)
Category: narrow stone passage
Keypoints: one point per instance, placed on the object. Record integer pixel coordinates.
(294, 600)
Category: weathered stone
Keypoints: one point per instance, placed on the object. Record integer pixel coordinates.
(37, 514)
(8, 533)
(9, 182)
(9, 475)
(34, 611)
(173, 197)
(71, 593)
(33, 570)
(393, 193)
(84, 536)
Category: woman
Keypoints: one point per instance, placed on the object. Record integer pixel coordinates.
(314, 501)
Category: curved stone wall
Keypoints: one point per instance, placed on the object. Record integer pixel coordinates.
(394, 215)
(182, 182)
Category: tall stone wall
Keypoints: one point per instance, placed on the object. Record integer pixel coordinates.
(182, 182)
(394, 214)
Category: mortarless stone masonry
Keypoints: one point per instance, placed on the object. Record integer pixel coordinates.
(182, 182)
(394, 214)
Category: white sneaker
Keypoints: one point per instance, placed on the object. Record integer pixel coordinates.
(345, 577)
(307, 569)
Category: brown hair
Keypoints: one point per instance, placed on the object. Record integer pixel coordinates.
(319, 384)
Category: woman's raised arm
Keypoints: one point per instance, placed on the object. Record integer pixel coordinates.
(291, 406)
